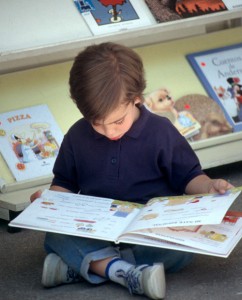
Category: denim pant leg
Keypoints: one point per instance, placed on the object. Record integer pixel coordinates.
(78, 252)
(173, 260)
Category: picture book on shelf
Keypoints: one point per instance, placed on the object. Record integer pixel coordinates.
(233, 4)
(195, 223)
(162, 103)
(108, 16)
(220, 71)
(194, 8)
(207, 113)
(29, 141)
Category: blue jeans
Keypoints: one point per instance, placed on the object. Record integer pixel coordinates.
(78, 252)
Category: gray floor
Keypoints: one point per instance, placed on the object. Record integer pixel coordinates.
(22, 255)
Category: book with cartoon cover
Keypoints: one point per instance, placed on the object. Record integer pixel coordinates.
(220, 72)
(195, 223)
(108, 16)
(29, 141)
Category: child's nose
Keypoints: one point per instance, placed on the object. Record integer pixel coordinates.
(110, 131)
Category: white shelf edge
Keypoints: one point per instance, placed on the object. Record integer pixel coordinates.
(217, 151)
(25, 184)
(219, 140)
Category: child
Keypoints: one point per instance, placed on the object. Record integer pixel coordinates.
(119, 150)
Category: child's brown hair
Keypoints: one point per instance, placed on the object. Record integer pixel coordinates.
(103, 76)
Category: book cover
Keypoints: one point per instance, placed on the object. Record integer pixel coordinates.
(233, 4)
(108, 16)
(163, 11)
(162, 103)
(29, 141)
(195, 222)
(220, 72)
(194, 8)
(207, 112)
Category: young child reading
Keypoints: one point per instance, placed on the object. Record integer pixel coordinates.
(119, 150)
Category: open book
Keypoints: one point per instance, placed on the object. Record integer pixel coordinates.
(181, 223)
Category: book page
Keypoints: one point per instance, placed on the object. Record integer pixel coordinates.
(190, 210)
(217, 240)
(79, 215)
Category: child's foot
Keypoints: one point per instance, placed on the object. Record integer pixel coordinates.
(56, 272)
(147, 280)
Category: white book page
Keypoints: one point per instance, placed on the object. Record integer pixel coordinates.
(79, 215)
(184, 211)
(209, 239)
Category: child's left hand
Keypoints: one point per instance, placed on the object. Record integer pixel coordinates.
(203, 184)
(219, 186)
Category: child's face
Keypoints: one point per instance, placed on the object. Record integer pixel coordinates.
(119, 121)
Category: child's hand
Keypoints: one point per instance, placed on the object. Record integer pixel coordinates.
(203, 184)
(219, 186)
(35, 195)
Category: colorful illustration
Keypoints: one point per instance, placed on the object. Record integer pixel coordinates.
(85, 228)
(231, 97)
(107, 16)
(84, 5)
(122, 208)
(149, 216)
(112, 11)
(192, 8)
(29, 141)
(33, 142)
(162, 103)
(231, 220)
(220, 72)
(212, 235)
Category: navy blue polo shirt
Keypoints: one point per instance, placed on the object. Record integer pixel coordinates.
(151, 159)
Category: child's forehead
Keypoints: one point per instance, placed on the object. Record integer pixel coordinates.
(117, 114)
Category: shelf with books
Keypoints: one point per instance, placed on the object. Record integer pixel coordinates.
(68, 33)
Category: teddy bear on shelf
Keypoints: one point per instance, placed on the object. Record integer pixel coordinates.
(161, 103)
(199, 109)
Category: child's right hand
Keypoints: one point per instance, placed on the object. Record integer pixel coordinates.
(35, 195)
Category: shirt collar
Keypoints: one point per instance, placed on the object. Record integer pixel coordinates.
(137, 128)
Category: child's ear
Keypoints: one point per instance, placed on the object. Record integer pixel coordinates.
(137, 100)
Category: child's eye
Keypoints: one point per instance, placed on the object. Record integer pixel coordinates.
(119, 122)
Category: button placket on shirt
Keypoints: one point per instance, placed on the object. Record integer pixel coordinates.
(113, 165)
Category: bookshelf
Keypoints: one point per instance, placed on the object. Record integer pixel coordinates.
(25, 44)
(34, 69)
